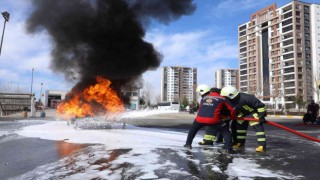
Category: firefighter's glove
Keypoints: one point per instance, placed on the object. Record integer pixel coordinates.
(262, 120)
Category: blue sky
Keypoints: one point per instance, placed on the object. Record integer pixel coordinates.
(207, 40)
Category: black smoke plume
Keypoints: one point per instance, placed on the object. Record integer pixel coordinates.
(103, 37)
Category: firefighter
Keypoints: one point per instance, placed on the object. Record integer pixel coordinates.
(247, 105)
(208, 114)
(209, 137)
(313, 111)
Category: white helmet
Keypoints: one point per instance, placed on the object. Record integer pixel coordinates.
(202, 89)
(229, 91)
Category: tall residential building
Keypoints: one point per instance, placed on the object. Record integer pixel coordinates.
(315, 46)
(178, 83)
(279, 53)
(226, 77)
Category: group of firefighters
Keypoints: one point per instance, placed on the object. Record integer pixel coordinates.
(219, 107)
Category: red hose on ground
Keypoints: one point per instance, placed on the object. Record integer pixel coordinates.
(284, 128)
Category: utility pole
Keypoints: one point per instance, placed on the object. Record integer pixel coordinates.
(40, 98)
(31, 80)
(6, 17)
(33, 112)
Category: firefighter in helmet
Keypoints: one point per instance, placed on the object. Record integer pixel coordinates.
(209, 138)
(247, 105)
(208, 114)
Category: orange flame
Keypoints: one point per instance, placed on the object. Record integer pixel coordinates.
(91, 101)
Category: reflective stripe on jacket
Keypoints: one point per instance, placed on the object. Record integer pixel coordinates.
(248, 104)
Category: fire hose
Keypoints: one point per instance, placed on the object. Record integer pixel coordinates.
(284, 128)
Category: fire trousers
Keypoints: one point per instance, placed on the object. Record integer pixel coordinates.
(241, 131)
(221, 127)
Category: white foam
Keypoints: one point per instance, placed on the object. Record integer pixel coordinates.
(143, 144)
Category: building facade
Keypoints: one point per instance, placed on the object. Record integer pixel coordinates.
(51, 98)
(315, 46)
(279, 55)
(134, 95)
(226, 77)
(178, 83)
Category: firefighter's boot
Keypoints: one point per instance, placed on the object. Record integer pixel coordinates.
(206, 142)
(238, 146)
(230, 151)
(261, 149)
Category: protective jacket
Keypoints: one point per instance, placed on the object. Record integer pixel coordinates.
(247, 104)
(210, 108)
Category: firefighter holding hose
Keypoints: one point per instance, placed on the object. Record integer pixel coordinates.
(247, 106)
(209, 114)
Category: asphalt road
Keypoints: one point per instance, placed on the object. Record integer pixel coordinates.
(286, 151)
(19, 155)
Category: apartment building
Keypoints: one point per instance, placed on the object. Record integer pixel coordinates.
(315, 46)
(178, 83)
(226, 77)
(279, 53)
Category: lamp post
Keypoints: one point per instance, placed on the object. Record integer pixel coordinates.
(6, 17)
(31, 81)
(40, 98)
(32, 98)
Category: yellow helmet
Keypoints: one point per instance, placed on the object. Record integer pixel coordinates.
(202, 89)
(229, 91)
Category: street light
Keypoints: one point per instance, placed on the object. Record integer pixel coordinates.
(32, 98)
(31, 81)
(6, 17)
(40, 94)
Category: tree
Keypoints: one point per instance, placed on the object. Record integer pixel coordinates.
(147, 92)
(142, 101)
(158, 98)
(184, 102)
(298, 100)
(8, 87)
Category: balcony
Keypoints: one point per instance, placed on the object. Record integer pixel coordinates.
(242, 33)
(287, 49)
(242, 78)
(287, 9)
(288, 70)
(289, 98)
(244, 66)
(287, 15)
(287, 42)
(243, 83)
(243, 50)
(287, 36)
(288, 63)
(307, 36)
(243, 61)
(290, 91)
(243, 44)
(243, 72)
(288, 56)
(289, 77)
(286, 29)
(243, 55)
(286, 22)
(243, 89)
(242, 38)
(243, 28)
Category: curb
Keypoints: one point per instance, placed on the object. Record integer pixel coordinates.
(283, 116)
